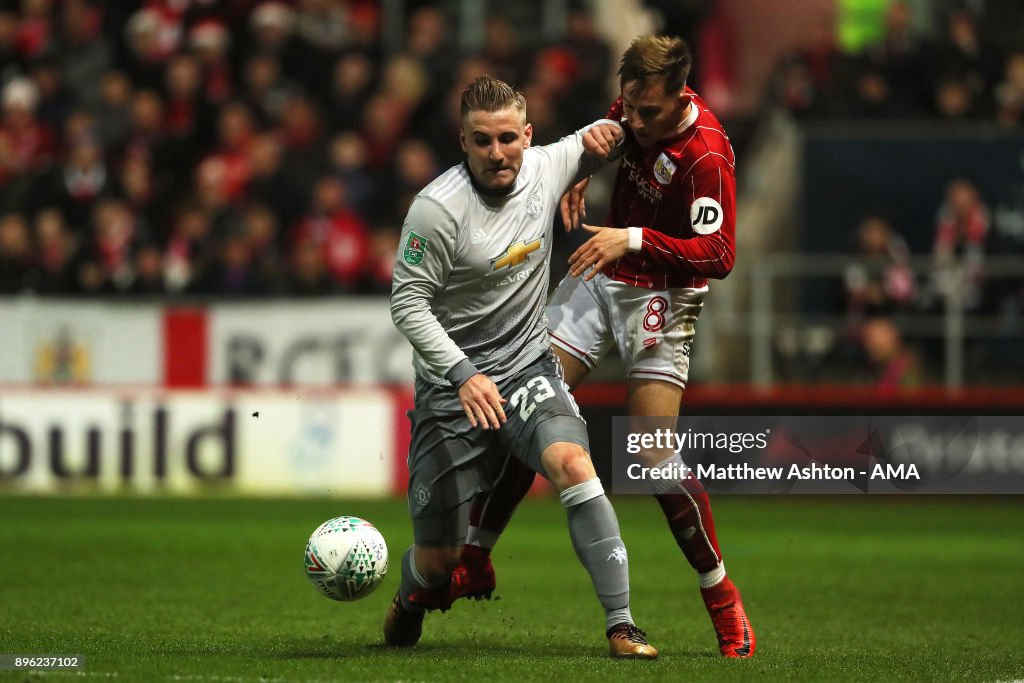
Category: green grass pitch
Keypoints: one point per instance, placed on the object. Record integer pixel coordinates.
(839, 588)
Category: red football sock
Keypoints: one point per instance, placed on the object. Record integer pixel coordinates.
(688, 511)
(474, 555)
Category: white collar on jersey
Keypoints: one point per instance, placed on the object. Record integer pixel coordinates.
(690, 119)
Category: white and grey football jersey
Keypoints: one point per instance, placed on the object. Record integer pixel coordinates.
(471, 276)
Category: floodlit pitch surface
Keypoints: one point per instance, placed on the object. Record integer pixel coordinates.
(841, 588)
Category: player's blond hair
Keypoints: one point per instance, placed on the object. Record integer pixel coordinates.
(652, 57)
(487, 93)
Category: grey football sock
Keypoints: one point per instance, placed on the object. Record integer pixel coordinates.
(595, 536)
(412, 581)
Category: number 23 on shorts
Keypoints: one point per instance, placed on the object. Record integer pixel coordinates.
(527, 398)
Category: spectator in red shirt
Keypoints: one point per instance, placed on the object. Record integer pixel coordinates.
(27, 146)
(235, 137)
(35, 32)
(342, 235)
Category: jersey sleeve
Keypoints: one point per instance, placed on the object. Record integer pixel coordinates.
(426, 256)
(568, 162)
(711, 251)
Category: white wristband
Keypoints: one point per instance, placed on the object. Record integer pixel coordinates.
(636, 239)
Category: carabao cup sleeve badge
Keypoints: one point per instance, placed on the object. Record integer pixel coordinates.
(415, 248)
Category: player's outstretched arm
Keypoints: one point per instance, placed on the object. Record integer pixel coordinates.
(602, 140)
(707, 251)
(606, 246)
(710, 255)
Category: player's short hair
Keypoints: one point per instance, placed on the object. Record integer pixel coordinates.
(487, 93)
(651, 57)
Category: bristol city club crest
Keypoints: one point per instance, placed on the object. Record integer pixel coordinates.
(663, 169)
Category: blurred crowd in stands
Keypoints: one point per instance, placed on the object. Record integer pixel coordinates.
(243, 147)
(271, 147)
(882, 282)
(958, 72)
(963, 69)
(883, 291)
(888, 298)
(892, 304)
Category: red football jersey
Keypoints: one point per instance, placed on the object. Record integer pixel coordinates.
(682, 192)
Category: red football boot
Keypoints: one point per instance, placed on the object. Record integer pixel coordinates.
(474, 577)
(432, 598)
(735, 634)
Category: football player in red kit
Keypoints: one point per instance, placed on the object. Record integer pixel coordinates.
(639, 284)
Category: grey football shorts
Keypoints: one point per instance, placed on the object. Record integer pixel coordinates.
(450, 462)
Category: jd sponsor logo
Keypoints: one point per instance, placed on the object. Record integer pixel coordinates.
(706, 216)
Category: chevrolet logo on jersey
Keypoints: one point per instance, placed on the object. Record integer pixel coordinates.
(516, 254)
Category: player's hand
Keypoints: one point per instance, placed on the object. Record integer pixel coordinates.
(574, 205)
(606, 246)
(601, 139)
(482, 402)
